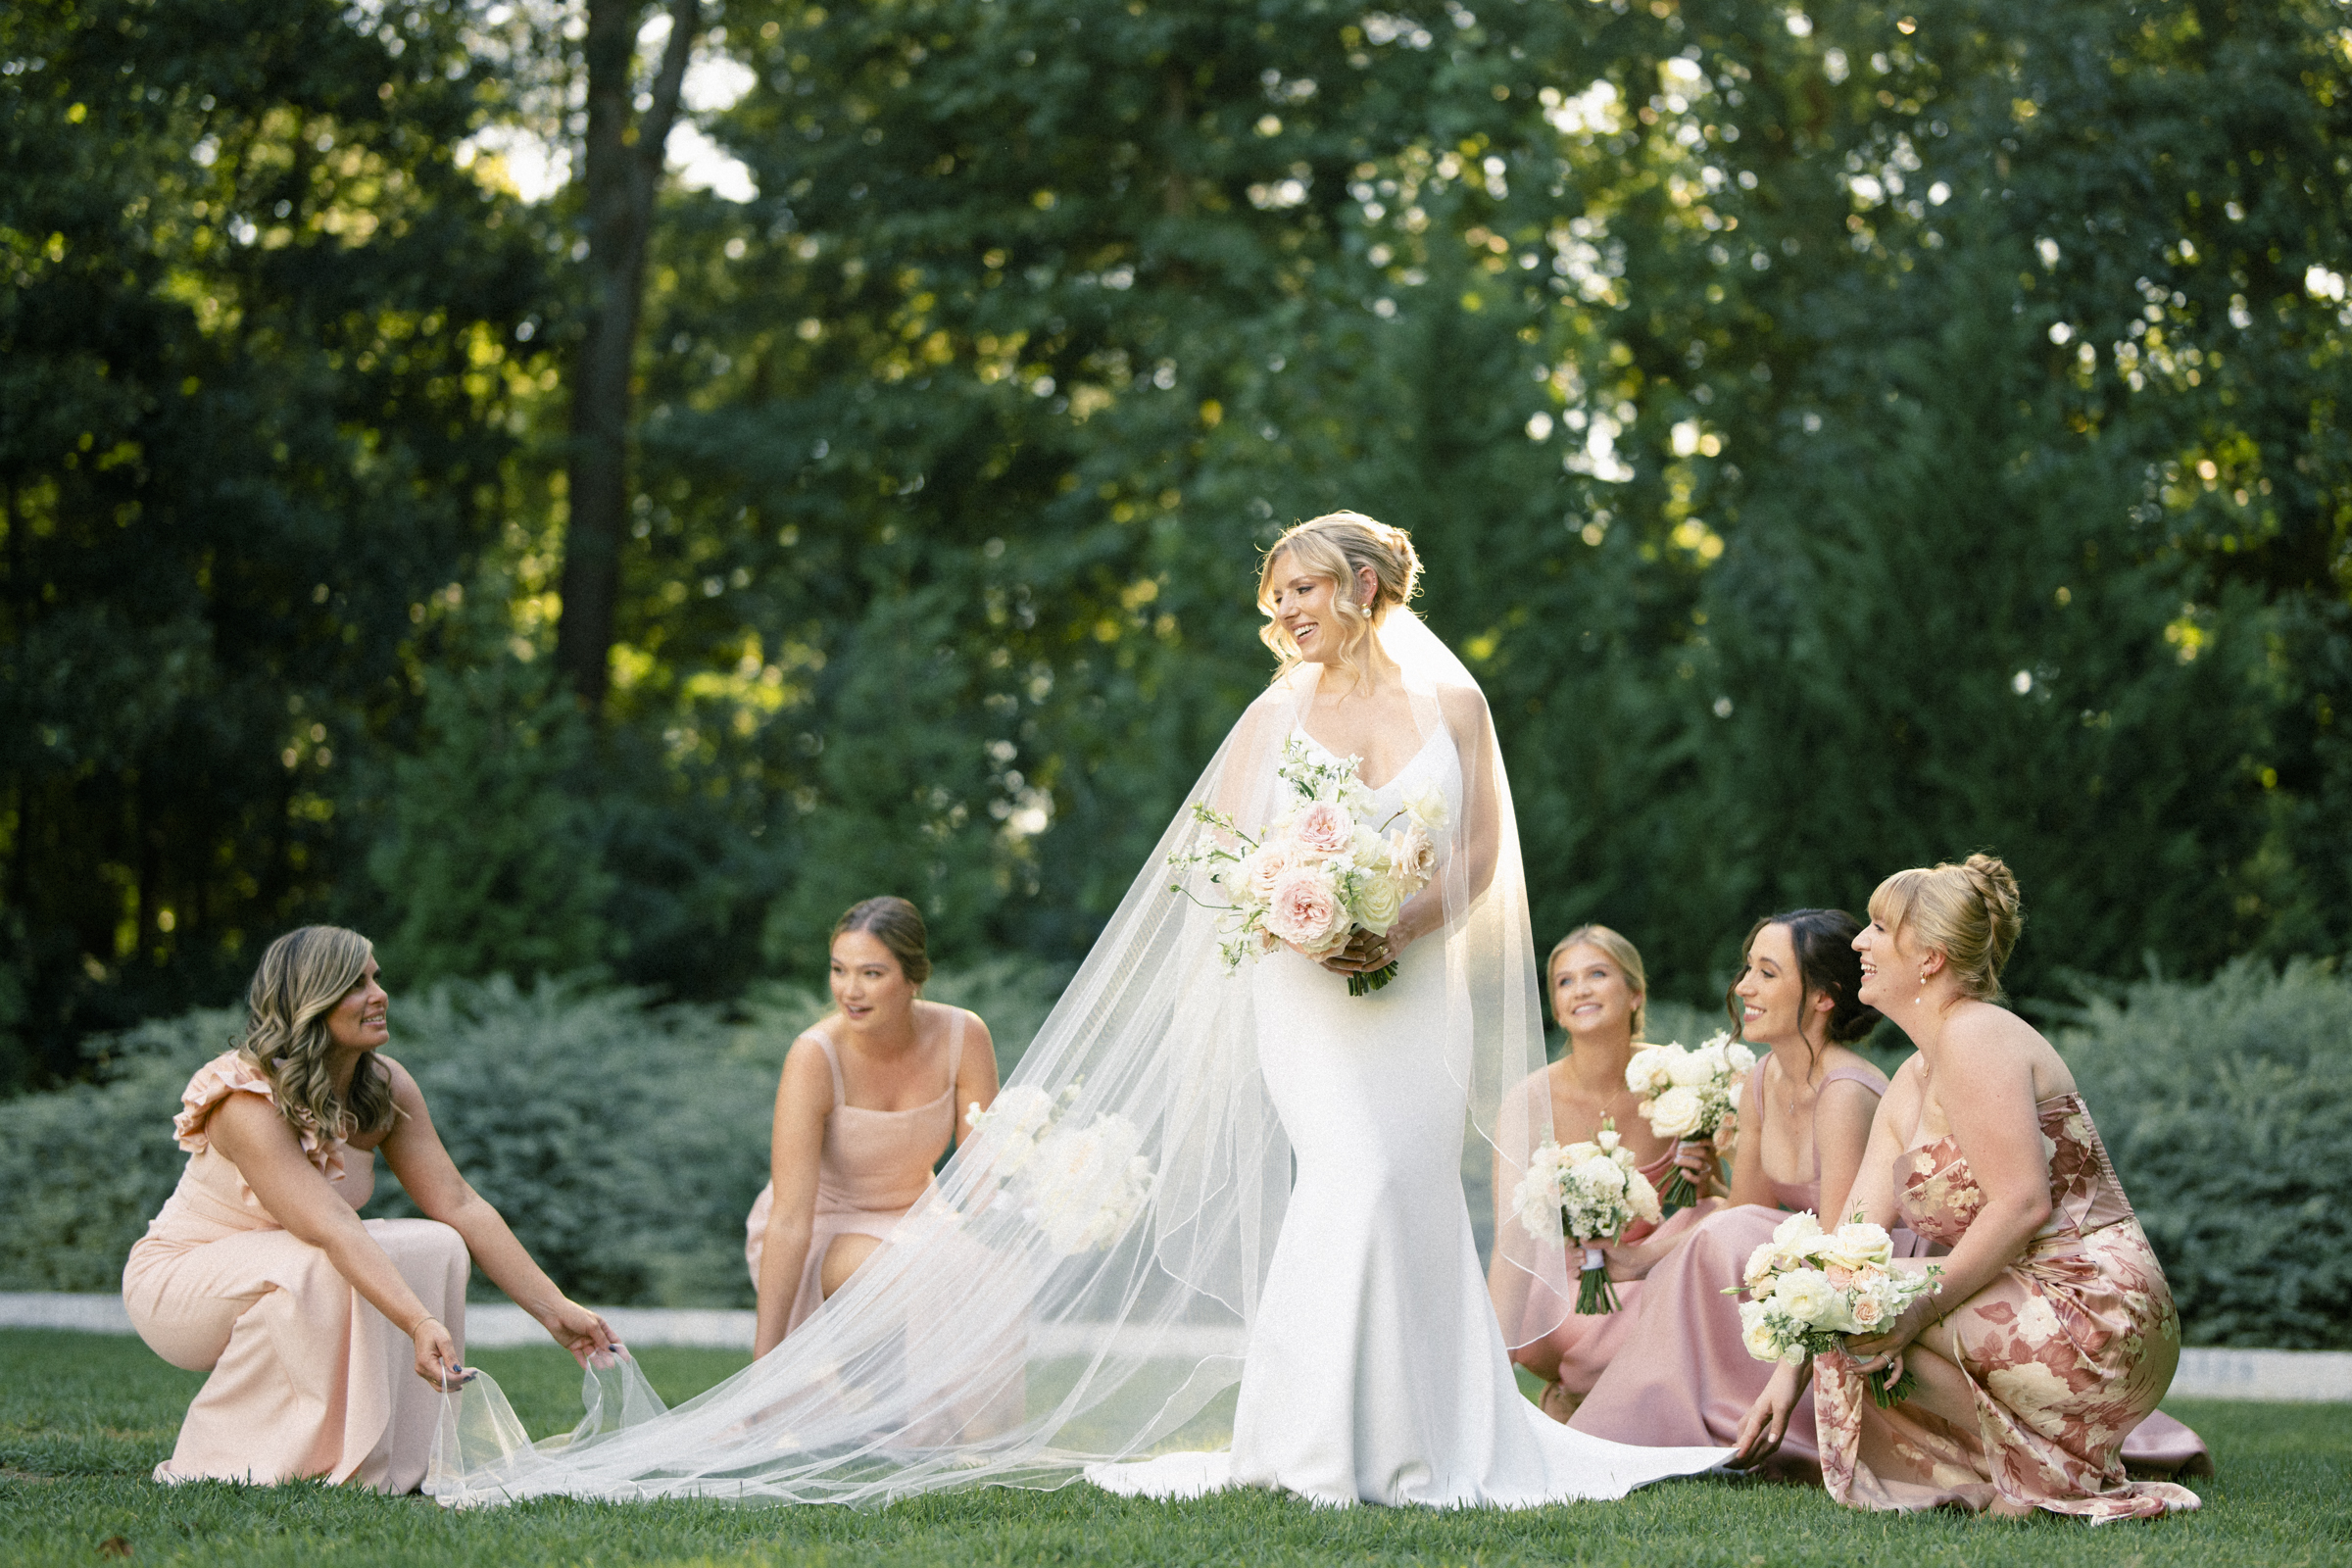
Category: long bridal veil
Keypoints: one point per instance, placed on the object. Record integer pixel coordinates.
(1080, 1283)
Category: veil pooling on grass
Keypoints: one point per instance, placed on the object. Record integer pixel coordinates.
(1079, 1284)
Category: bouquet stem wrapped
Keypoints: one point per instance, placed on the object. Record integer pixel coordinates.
(1591, 1190)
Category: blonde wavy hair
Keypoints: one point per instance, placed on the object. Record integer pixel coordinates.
(303, 977)
(1621, 952)
(1338, 546)
(1970, 913)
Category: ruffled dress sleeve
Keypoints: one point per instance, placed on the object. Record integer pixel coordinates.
(229, 1073)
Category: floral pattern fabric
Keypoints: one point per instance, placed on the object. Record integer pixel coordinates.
(2065, 1353)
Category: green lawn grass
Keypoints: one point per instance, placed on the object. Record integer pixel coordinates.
(84, 1417)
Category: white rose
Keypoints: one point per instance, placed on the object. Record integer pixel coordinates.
(1411, 859)
(1756, 1334)
(1867, 1311)
(1602, 1174)
(1742, 1059)
(1641, 1196)
(1259, 870)
(1427, 803)
(1798, 1228)
(1804, 1295)
(1759, 1265)
(1864, 1243)
(1676, 1113)
(1378, 903)
(1646, 1072)
(1689, 1069)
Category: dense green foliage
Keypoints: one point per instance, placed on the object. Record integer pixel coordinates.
(624, 1140)
(1839, 438)
(83, 1417)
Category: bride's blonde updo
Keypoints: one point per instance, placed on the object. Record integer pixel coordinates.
(1969, 912)
(1337, 545)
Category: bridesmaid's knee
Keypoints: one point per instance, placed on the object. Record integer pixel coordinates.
(422, 1241)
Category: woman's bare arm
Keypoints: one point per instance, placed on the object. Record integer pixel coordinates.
(1749, 1184)
(975, 1075)
(252, 1136)
(1871, 1195)
(1842, 1121)
(418, 1157)
(804, 1098)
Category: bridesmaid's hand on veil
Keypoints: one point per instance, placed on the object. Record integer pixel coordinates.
(585, 1334)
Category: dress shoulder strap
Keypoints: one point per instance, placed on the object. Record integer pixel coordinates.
(1847, 1075)
(956, 1049)
(825, 1043)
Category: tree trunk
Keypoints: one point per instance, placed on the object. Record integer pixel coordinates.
(622, 170)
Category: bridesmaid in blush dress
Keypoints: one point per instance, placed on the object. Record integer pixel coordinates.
(868, 1103)
(2053, 1334)
(1598, 987)
(260, 1271)
(1682, 1378)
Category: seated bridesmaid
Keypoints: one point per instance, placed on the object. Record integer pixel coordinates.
(1684, 1376)
(870, 1099)
(260, 1271)
(2053, 1334)
(1599, 988)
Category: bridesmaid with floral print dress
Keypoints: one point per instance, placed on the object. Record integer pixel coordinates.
(2054, 1334)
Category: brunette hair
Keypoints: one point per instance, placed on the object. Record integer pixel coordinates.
(1621, 952)
(1970, 913)
(303, 976)
(1827, 966)
(899, 926)
(1338, 545)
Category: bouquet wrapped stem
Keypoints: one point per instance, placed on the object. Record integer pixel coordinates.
(1595, 1294)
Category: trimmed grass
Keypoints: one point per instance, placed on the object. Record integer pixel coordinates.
(84, 1418)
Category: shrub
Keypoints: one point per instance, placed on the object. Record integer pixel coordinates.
(624, 1141)
(2227, 1108)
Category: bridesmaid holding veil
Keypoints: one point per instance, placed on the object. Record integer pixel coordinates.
(871, 1097)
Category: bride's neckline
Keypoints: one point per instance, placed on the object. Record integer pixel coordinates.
(1308, 737)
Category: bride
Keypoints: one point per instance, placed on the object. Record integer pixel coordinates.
(1117, 1275)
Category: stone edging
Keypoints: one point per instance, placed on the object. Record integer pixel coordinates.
(2285, 1376)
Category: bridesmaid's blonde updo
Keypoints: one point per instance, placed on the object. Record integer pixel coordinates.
(1969, 912)
(303, 977)
(1338, 545)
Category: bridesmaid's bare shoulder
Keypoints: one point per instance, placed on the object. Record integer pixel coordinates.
(1983, 1039)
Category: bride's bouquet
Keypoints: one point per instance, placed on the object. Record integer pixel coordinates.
(1330, 864)
(1590, 1191)
(1687, 1095)
(1081, 1187)
(1809, 1288)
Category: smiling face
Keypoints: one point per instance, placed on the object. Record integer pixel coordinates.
(869, 987)
(1773, 1007)
(1591, 996)
(359, 1021)
(1309, 607)
(1888, 959)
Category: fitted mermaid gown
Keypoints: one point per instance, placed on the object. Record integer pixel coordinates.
(1375, 1370)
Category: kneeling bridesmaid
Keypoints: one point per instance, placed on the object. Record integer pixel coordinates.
(260, 1270)
(870, 1099)
(2054, 1333)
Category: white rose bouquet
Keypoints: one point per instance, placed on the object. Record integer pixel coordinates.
(1809, 1288)
(1688, 1095)
(1328, 865)
(1591, 1191)
(1080, 1186)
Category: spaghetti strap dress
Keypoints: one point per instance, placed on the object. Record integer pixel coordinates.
(308, 1379)
(2065, 1353)
(873, 1167)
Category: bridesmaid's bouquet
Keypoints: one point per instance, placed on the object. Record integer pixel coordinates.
(1687, 1095)
(1591, 1191)
(1330, 864)
(1809, 1288)
(1081, 1187)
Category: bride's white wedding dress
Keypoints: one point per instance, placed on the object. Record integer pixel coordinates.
(1194, 1178)
(1376, 1370)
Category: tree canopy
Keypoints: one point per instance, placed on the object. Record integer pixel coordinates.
(1839, 438)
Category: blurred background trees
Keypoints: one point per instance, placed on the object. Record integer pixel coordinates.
(1839, 437)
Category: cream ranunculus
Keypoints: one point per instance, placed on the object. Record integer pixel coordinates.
(1804, 1295)
(1378, 903)
(1676, 1113)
